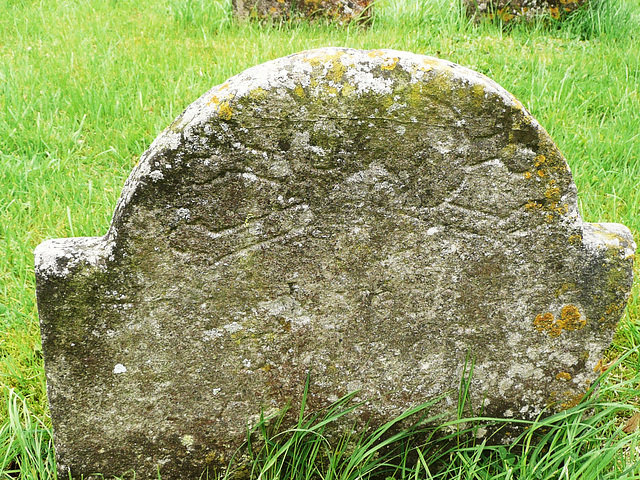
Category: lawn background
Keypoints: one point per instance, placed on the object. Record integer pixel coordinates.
(86, 85)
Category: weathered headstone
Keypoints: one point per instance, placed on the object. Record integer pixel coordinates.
(528, 10)
(341, 11)
(370, 216)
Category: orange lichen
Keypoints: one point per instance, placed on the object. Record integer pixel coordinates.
(552, 193)
(505, 14)
(527, 175)
(573, 400)
(599, 368)
(544, 322)
(532, 204)
(570, 320)
(614, 308)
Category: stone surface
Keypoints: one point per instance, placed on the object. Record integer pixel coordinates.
(341, 11)
(370, 216)
(508, 10)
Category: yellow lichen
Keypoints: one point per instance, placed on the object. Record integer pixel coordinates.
(213, 101)
(478, 90)
(389, 63)
(258, 93)
(322, 57)
(527, 175)
(613, 308)
(336, 71)
(565, 288)
(376, 53)
(563, 376)
(225, 112)
(347, 90)
(416, 94)
(299, 91)
(331, 90)
(214, 456)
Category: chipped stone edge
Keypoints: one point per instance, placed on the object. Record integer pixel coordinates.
(610, 236)
(57, 258)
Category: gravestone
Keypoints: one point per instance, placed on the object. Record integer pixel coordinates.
(341, 11)
(371, 217)
(517, 10)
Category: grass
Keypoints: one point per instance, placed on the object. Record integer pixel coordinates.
(85, 86)
(583, 442)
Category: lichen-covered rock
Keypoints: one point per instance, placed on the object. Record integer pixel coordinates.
(508, 10)
(341, 11)
(373, 217)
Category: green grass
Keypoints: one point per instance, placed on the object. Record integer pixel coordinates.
(582, 442)
(86, 85)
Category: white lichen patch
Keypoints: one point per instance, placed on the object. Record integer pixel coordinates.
(156, 175)
(57, 258)
(188, 441)
(119, 368)
(212, 334)
(611, 236)
(169, 140)
(233, 327)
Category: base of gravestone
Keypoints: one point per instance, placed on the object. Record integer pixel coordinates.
(520, 10)
(340, 11)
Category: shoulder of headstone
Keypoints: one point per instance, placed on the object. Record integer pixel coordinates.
(60, 257)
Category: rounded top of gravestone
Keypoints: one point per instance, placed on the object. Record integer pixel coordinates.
(338, 107)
